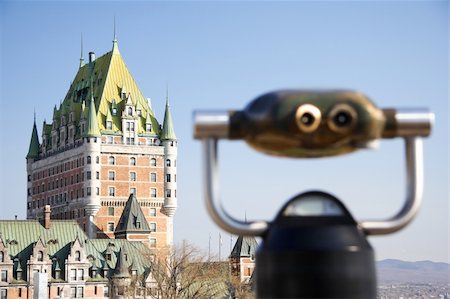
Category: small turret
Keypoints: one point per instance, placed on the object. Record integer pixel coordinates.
(168, 132)
(92, 129)
(33, 151)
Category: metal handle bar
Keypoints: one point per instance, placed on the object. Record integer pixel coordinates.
(212, 126)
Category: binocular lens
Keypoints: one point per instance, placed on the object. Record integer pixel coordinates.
(342, 119)
(307, 119)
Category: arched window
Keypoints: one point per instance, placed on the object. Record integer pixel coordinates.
(111, 160)
(153, 162)
(88, 160)
(168, 162)
(130, 111)
(77, 256)
(40, 256)
(2, 257)
(132, 161)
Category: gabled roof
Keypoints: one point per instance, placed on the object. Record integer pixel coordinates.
(168, 132)
(132, 218)
(33, 151)
(245, 246)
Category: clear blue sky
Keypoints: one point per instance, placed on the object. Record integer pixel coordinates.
(220, 55)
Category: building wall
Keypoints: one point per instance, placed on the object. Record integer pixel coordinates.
(62, 181)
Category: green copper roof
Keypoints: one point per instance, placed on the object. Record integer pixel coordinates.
(168, 132)
(244, 247)
(132, 218)
(92, 124)
(121, 269)
(33, 151)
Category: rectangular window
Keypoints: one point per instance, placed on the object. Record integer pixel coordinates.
(152, 227)
(73, 292)
(167, 178)
(88, 175)
(97, 192)
(97, 175)
(153, 192)
(168, 193)
(112, 191)
(133, 176)
(110, 211)
(105, 291)
(110, 226)
(3, 293)
(88, 191)
(4, 277)
(152, 212)
(80, 274)
(73, 274)
(152, 243)
(153, 177)
(110, 139)
(133, 191)
(111, 175)
(109, 125)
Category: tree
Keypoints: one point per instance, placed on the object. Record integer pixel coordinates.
(184, 272)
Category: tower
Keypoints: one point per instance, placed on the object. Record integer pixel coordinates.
(242, 258)
(104, 144)
(169, 141)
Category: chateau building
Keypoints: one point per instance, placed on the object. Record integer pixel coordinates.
(103, 144)
(56, 259)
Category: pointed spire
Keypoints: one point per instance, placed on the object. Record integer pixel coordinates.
(245, 246)
(81, 57)
(115, 48)
(121, 269)
(168, 132)
(33, 151)
(132, 218)
(92, 124)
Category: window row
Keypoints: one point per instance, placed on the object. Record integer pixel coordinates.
(57, 169)
(133, 176)
(62, 182)
(132, 161)
(151, 212)
(153, 192)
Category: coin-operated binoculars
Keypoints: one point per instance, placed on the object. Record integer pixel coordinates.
(314, 248)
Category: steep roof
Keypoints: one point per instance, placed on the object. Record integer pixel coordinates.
(168, 132)
(109, 75)
(121, 269)
(20, 235)
(132, 218)
(245, 246)
(33, 151)
(92, 124)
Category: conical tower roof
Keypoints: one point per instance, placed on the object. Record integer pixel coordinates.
(33, 151)
(92, 129)
(168, 132)
(121, 269)
(132, 218)
(245, 246)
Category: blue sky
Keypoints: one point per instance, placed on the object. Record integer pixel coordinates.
(221, 55)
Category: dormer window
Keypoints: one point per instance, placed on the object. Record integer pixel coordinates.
(148, 127)
(130, 111)
(40, 256)
(109, 125)
(139, 112)
(114, 111)
(2, 257)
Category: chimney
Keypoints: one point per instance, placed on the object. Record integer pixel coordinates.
(47, 212)
(91, 57)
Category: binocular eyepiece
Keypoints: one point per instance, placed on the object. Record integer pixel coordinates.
(312, 123)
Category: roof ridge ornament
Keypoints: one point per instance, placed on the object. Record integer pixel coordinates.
(115, 48)
(81, 56)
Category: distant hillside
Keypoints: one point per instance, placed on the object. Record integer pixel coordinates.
(397, 271)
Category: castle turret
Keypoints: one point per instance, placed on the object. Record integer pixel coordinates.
(169, 141)
(33, 154)
(92, 138)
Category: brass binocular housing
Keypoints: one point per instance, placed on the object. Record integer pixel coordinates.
(312, 123)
